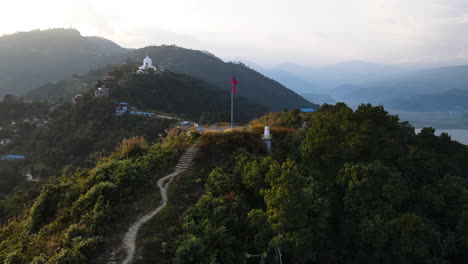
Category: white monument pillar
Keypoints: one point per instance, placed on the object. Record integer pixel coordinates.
(267, 138)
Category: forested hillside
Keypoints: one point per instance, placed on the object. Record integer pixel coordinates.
(74, 134)
(182, 95)
(13, 108)
(361, 188)
(64, 90)
(30, 59)
(340, 186)
(252, 85)
(77, 213)
(60, 91)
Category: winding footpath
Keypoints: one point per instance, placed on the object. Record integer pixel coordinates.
(129, 240)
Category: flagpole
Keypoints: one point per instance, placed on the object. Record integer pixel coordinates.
(232, 106)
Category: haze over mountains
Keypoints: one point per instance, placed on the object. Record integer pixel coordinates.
(401, 87)
(29, 60)
(408, 87)
(140, 152)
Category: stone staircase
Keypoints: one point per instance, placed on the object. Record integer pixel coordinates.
(186, 159)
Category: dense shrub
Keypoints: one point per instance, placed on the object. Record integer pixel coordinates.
(363, 189)
(75, 213)
(44, 209)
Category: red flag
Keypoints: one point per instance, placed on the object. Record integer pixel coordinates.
(234, 82)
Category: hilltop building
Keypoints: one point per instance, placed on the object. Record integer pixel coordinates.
(123, 108)
(105, 89)
(188, 124)
(147, 65)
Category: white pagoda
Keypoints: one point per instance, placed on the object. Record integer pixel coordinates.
(147, 64)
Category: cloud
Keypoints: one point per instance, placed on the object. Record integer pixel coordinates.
(266, 31)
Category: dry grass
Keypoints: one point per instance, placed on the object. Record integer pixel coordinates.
(276, 130)
(130, 146)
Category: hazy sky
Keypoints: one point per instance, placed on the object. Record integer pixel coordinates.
(265, 31)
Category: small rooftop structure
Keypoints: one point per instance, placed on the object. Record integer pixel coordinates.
(12, 157)
(77, 98)
(188, 124)
(141, 113)
(123, 108)
(307, 110)
(108, 82)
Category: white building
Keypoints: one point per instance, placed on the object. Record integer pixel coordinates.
(5, 141)
(188, 124)
(141, 113)
(124, 108)
(147, 64)
(102, 91)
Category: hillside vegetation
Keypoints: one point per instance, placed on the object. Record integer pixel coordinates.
(14, 108)
(30, 59)
(74, 134)
(252, 85)
(60, 91)
(66, 89)
(77, 213)
(182, 95)
(346, 187)
(361, 188)
(39, 57)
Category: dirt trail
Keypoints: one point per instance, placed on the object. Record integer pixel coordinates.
(129, 240)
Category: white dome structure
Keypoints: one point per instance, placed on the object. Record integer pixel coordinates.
(147, 61)
(147, 64)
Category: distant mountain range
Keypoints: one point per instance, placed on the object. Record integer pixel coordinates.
(454, 100)
(399, 87)
(31, 59)
(304, 79)
(319, 98)
(411, 89)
